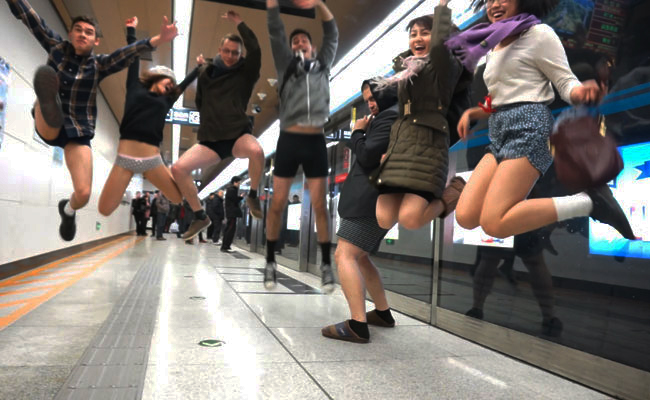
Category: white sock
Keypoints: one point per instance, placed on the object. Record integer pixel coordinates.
(69, 211)
(578, 205)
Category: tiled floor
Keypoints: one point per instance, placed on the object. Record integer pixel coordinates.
(272, 346)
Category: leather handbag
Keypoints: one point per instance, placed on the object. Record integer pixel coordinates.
(584, 158)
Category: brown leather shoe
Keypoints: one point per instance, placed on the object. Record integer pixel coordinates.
(451, 194)
(254, 207)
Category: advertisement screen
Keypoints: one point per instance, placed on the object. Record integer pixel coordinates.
(631, 189)
(293, 217)
(477, 237)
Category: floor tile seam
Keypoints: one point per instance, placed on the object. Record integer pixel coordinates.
(104, 329)
(313, 378)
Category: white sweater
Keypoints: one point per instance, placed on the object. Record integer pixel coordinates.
(523, 70)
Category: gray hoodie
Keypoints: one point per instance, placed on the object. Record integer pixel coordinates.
(305, 96)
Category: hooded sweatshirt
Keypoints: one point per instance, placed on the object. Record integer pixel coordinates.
(358, 196)
(305, 90)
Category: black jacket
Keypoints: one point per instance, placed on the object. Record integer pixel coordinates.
(358, 195)
(232, 202)
(215, 208)
(223, 100)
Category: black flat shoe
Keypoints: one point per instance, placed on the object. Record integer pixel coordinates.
(607, 210)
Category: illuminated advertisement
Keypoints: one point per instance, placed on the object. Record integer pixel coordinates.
(477, 236)
(631, 188)
(293, 217)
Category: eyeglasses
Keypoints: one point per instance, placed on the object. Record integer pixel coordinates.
(234, 53)
(490, 3)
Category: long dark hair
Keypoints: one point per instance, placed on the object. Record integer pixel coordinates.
(538, 8)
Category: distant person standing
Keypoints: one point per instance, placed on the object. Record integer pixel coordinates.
(216, 213)
(233, 211)
(136, 210)
(162, 209)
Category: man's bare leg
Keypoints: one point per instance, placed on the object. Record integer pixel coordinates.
(79, 160)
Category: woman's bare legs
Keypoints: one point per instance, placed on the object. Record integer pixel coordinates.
(387, 209)
(113, 191)
(161, 177)
(415, 211)
(506, 211)
(470, 204)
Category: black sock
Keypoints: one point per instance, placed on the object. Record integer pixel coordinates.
(325, 252)
(252, 194)
(270, 250)
(200, 214)
(360, 328)
(386, 316)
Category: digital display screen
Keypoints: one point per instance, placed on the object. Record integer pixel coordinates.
(293, 217)
(477, 236)
(631, 188)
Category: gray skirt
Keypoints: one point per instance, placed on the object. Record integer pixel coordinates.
(363, 232)
(522, 130)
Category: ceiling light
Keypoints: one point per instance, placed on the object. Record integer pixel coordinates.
(272, 82)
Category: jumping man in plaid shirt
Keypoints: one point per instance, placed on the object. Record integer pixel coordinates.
(66, 90)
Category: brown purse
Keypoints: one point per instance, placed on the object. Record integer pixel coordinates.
(584, 158)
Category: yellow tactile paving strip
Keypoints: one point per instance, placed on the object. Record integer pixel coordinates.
(55, 277)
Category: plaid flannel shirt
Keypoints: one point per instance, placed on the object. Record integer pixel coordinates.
(78, 75)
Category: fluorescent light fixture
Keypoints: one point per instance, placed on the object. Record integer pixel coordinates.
(332, 144)
(182, 14)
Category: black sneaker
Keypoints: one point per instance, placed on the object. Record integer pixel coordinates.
(46, 86)
(196, 227)
(607, 210)
(475, 313)
(68, 227)
(270, 279)
(228, 250)
(327, 278)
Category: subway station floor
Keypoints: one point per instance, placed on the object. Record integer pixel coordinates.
(125, 319)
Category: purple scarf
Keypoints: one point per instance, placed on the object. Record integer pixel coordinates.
(470, 45)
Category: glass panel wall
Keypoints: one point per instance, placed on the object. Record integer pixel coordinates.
(578, 282)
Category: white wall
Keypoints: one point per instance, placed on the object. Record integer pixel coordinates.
(31, 181)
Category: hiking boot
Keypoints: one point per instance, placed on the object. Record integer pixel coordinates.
(327, 278)
(254, 207)
(46, 86)
(68, 227)
(196, 227)
(270, 279)
(343, 331)
(607, 210)
(451, 194)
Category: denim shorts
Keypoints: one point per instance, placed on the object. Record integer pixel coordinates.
(522, 130)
